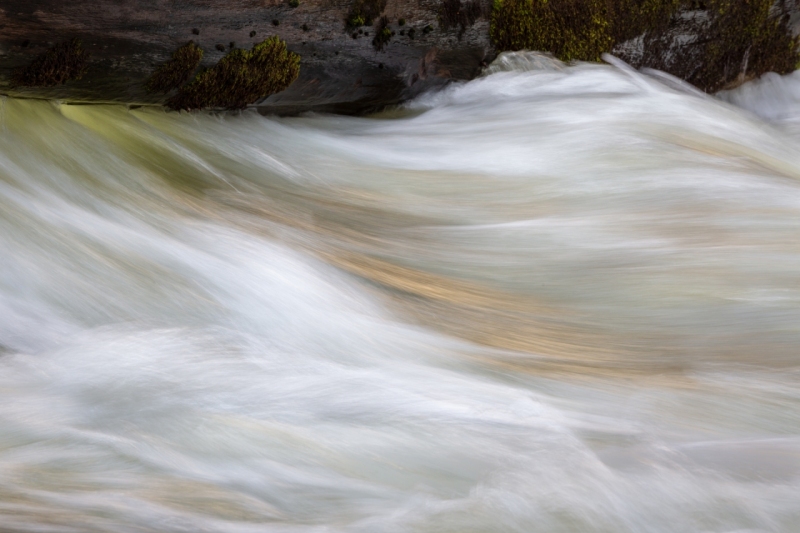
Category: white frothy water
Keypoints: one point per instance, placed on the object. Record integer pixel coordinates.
(554, 299)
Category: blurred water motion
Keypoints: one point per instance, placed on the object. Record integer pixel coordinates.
(554, 299)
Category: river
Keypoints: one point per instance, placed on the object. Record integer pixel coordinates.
(550, 300)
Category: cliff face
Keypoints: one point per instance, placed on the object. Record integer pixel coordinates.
(410, 46)
(128, 39)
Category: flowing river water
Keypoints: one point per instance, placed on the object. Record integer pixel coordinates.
(550, 300)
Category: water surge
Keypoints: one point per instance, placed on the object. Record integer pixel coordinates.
(553, 299)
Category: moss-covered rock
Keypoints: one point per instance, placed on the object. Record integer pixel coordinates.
(241, 78)
(177, 70)
(576, 29)
(709, 43)
(730, 41)
(63, 62)
(569, 29)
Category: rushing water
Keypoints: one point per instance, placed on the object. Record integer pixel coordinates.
(555, 300)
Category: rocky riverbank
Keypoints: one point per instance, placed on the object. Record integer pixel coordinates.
(358, 56)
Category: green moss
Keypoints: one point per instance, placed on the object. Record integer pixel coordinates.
(177, 70)
(363, 12)
(733, 39)
(576, 29)
(294, 3)
(569, 29)
(240, 78)
(356, 20)
(63, 62)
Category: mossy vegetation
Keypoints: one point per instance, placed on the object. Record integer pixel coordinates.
(241, 78)
(364, 12)
(570, 29)
(61, 63)
(177, 70)
(710, 43)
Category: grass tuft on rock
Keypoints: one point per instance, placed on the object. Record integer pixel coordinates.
(63, 62)
(177, 70)
(383, 34)
(241, 78)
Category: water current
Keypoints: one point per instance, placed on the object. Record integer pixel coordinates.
(550, 300)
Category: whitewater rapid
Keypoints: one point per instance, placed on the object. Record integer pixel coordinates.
(555, 299)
